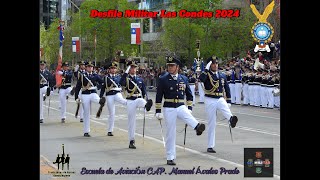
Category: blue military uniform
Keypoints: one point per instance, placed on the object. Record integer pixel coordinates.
(174, 88)
(256, 86)
(251, 86)
(47, 82)
(86, 90)
(232, 86)
(215, 85)
(270, 86)
(245, 81)
(65, 89)
(80, 71)
(135, 91)
(78, 75)
(112, 89)
(277, 85)
(237, 85)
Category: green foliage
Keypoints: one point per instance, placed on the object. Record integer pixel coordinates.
(219, 36)
(223, 37)
(112, 34)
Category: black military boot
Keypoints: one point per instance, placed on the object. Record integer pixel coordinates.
(63, 120)
(149, 104)
(86, 135)
(171, 162)
(41, 120)
(102, 101)
(110, 134)
(131, 145)
(72, 91)
(81, 120)
(200, 128)
(233, 121)
(210, 150)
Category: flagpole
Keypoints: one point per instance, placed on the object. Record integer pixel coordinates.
(141, 33)
(79, 26)
(95, 47)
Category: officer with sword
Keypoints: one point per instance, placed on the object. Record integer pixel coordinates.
(65, 89)
(215, 85)
(112, 90)
(46, 84)
(174, 87)
(136, 92)
(87, 83)
(81, 70)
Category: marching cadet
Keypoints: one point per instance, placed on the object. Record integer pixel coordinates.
(136, 90)
(277, 85)
(87, 83)
(113, 89)
(81, 70)
(46, 84)
(237, 84)
(200, 85)
(192, 80)
(215, 84)
(65, 89)
(174, 87)
(263, 89)
(232, 86)
(257, 82)
(245, 81)
(251, 87)
(269, 87)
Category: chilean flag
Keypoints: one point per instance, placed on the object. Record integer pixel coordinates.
(61, 38)
(135, 33)
(75, 44)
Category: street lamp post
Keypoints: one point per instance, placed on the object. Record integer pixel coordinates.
(80, 25)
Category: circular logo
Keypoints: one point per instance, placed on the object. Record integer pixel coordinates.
(262, 32)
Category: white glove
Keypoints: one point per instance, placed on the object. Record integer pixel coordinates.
(229, 105)
(256, 49)
(78, 101)
(208, 65)
(159, 116)
(127, 71)
(267, 48)
(190, 111)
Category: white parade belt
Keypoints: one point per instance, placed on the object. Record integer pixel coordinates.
(93, 88)
(135, 95)
(116, 89)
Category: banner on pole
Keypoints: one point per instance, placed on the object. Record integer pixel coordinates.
(135, 33)
(76, 44)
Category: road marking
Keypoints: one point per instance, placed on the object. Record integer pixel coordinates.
(256, 115)
(243, 128)
(178, 146)
(261, 131)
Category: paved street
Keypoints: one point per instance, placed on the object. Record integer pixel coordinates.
(257, 128)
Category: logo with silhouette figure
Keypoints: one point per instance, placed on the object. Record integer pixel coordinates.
(62, 159)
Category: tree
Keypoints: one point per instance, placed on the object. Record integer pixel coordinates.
(49, 40)
(180, 34)
(111, 34)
